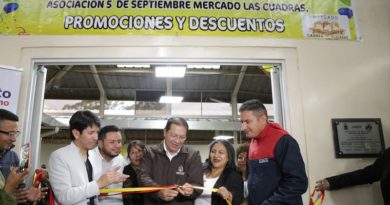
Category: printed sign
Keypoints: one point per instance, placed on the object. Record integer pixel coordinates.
(10, 79)
(326, 26)
(308, 19)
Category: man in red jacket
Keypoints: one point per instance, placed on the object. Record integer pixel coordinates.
(276, 168)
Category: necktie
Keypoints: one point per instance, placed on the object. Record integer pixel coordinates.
(90, 172)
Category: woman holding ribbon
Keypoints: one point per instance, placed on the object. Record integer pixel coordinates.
(220, 175)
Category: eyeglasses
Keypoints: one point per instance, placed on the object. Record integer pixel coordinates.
(175, 137)
(11, 134)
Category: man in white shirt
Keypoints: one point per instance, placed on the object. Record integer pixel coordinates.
(107, 157)
(70, 169)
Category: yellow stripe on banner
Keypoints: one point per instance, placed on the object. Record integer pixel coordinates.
(206, 188)
(148, 189)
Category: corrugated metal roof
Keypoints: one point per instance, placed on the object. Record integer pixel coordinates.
(142, 85)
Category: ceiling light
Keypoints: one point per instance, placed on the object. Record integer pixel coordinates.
(171, 99)
(223, 137)
(170, 71)
(211, 67)
(133, 66)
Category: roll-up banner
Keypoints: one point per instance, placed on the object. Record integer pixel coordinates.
(10, 79)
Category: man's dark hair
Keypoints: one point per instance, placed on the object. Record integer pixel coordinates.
(230, 152)
(106, 129)
(80, 120)
(254, 105)
(8, 115)
(134, 143)
(177, 121)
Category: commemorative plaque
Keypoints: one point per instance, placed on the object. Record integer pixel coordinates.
(357, 138)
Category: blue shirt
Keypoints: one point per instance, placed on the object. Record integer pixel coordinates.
(7, 159)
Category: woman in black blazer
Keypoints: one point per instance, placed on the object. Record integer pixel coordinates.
(135, 151)
(220, 172)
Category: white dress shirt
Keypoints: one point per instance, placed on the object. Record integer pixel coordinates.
(100, 166)
(205, 197)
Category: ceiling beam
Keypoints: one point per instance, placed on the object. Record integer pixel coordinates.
(103, 96)
(50, 133)
(237, 86)
(56, 80)
(51, 121)
(142, 89)
(151, 71)
(233, 98)
(216, 100)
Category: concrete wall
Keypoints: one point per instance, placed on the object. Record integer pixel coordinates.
(324, 80)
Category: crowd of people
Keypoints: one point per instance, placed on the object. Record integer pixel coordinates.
(268, 170)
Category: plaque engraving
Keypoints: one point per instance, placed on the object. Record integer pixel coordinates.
(358, 137)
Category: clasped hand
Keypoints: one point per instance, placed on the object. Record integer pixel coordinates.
(111, 177)
(169, 194)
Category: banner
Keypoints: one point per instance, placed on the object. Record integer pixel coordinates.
(10, 79)
(303, 19)
(143, 190)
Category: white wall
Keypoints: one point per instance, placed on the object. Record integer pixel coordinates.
(324, 79)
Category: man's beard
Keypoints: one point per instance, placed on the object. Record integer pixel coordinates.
(108, 154)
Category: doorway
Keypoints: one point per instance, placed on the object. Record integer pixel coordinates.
(40, 76)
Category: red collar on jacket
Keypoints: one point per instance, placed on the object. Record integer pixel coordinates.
(263, 145)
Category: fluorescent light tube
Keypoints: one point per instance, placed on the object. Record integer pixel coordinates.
(171, 99)
(211, 67)
(223, 137)
(170, 71)
(133, 66)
